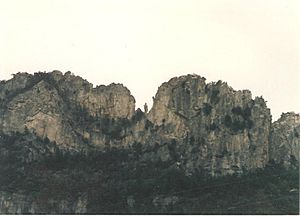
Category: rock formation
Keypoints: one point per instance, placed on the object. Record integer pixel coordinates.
(218, 128)
(57, 106)
(19, 203)
(195, 127)
(209, 126)
(285, 141)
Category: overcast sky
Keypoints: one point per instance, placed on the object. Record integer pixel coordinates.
(251, 44)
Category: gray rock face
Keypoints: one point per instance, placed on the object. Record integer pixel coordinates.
(208, 126)
(285, 141)
(47, 104)
(192, 126)
(18, 203)
(217, 128)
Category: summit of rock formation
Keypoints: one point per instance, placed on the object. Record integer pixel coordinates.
(284, 146)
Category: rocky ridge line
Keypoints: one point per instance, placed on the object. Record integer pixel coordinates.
(192, 125)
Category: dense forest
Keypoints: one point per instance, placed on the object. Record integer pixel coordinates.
(114, 181)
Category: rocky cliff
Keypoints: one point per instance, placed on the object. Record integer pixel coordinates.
(55, 125)
(217, 128)
(59, 107)
(18, 203)
(284, 145)
(208, 126)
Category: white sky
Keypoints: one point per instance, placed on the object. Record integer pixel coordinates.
(251, 44)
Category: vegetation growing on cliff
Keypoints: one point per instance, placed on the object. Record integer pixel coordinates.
(116, 181)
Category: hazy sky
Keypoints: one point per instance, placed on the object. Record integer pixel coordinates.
(251, 44)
